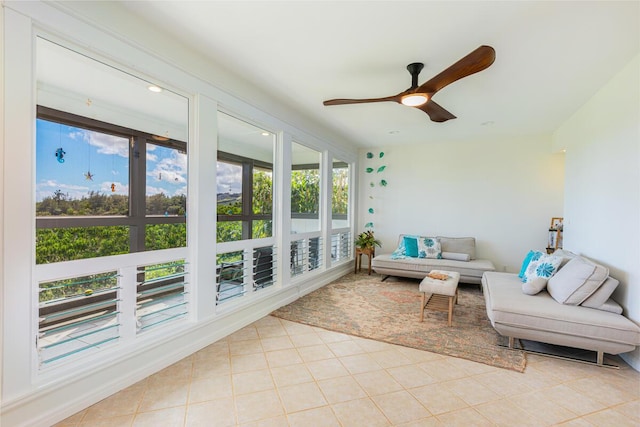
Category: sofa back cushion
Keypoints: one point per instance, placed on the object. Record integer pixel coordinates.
(463, 245)
(565, 255)
(576, 281)
(602, 294)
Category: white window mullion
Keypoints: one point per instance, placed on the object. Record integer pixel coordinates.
(326, 190)
(201, 226)
(282, 208)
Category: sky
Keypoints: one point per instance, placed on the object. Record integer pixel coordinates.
(229, 178)
(105, 158)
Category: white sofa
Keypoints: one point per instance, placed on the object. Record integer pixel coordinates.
(457, 254)
(575, 310)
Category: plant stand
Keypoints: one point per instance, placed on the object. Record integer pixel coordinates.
(370, 252)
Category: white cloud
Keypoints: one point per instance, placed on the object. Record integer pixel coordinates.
(105, 144)
(48, 187)
(172, 170)
(155, 190)
(229, 178)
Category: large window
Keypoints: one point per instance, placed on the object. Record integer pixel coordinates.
(244, 264)
(111, 178)
(111, 160)
(245, 181)
(305, 189)
(341, 236)
(306, 238)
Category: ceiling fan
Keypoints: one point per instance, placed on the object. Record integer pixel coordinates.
(420, 97)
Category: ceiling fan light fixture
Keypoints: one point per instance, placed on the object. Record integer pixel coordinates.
(415, 99)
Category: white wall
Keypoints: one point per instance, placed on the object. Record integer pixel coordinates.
(502, 192)
(602, 185)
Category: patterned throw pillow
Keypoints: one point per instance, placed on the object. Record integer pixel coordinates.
(545, 266)
(429, 247)
(532, 255)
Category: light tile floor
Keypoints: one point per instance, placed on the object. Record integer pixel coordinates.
(280, 373)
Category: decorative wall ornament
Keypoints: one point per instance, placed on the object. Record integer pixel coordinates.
(372, 184)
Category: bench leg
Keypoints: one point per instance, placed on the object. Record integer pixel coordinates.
(422, 304)
(450, 309)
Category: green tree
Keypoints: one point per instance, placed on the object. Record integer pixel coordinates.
(340, 196)
(262, 199)
(305, 191)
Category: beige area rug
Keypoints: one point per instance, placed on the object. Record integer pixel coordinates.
(364, 306)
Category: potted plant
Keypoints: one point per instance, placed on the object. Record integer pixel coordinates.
(366, 240)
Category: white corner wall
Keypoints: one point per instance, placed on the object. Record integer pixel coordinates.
(502, 192)
(602, 185)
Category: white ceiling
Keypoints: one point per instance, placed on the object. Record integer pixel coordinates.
(551, 57)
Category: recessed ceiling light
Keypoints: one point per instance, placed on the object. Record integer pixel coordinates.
(265, 133)
(155, 89)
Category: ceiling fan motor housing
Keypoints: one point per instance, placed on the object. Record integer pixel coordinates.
(414, 69)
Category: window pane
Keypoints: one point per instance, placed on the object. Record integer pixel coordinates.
(230, 276)
(166, 187)
(262, 191)
(262, 228)
(229, 179)
(80, 172)
(305, 189)
(76, 315)
(340, 196)
(160, 294)
(244, 180)
(65, 244)
(165, 236)
(229, 231)
(106, 146)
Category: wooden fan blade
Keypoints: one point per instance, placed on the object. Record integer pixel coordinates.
(395, 98)
(436, 112)
(476, 61)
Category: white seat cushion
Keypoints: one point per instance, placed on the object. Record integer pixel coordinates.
(441, 287)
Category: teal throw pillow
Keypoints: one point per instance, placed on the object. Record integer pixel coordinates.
(411, 247)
